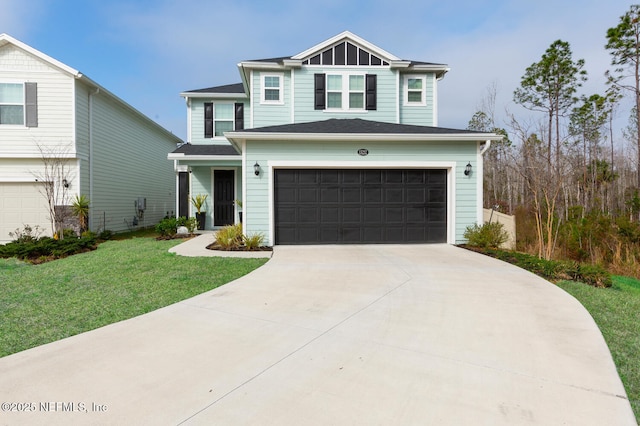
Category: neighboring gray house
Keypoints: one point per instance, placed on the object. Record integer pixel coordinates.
(115, 155)
(336, 144)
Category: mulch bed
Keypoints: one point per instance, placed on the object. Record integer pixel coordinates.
(215, 246)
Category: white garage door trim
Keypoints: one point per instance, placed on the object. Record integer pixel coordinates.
(450, 166)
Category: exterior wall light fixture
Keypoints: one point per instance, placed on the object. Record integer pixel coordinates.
(256, 169)
(467, 170)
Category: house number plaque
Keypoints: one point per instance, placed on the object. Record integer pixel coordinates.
(363, 152)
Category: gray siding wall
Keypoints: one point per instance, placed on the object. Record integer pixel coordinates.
(129, 161)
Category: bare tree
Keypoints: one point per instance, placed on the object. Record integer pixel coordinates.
(55, 175)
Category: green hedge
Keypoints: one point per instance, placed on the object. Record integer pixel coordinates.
(553, 270)
(47, 248)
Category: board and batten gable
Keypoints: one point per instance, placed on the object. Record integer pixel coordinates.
(129, 162)
(462, 204)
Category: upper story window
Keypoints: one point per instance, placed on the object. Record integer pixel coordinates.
(19, 104)
(271, 89)
(345, 92)
(222, 117)
(415, 90)
(12, 103)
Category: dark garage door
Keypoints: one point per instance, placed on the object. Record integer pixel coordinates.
(325, 206)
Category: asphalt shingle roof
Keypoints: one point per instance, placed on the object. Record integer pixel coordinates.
(227, 88)
(355, 125)
(189, 149)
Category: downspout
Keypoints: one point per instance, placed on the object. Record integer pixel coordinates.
(91, 95)
(480, 183)
(487, 144)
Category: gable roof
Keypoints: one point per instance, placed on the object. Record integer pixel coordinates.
(6, 39)
(314, 52)
(346, 36)
(356, 129)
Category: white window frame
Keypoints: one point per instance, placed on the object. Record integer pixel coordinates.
(423, 93)
(23, 104)
(346, 91)
(232, 119)
(263, 89)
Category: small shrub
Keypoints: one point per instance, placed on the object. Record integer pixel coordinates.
(554, 270)
(190, 223)
(230, 237)
(69, 233)
(487, 235)
(167, 227)
(105, 235)
(27, 234)
(594, 275)
(47, 248)
(253, 241)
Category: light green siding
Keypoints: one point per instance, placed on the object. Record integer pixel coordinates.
(196, 111)
(418, 115)
(344, 155)
(386, 88)
(265, 114)
(202, 182)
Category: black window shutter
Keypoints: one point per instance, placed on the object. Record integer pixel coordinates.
(372, 92)
(208, 119)
(319, 90)
(239, 116)
(31, 104)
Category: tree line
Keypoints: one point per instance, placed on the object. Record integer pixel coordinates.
(572, 183)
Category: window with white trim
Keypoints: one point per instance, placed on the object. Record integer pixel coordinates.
(415, 90)
(222, 119)
(271, 88)
(345, 92)
(12, 103)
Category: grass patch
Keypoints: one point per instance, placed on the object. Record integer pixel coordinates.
(616, 310)
(120, 280)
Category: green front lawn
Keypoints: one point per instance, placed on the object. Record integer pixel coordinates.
(121, 279)
(616, 310)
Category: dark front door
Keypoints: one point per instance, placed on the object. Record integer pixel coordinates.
(223, 197)
(183, 194)
(322, 206)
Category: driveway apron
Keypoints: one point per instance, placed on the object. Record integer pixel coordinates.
(336, 335)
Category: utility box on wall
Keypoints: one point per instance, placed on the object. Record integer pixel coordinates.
(142, 204)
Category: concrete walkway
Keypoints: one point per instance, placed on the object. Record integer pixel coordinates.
(336, 335)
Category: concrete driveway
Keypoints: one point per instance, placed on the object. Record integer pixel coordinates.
(336, 335)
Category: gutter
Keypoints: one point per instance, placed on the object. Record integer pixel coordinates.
(485, 147)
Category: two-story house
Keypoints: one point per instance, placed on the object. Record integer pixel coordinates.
(337, 144)
(61, 130)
